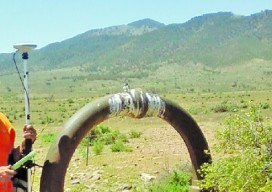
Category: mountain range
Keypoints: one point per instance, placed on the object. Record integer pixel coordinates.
(213, 40)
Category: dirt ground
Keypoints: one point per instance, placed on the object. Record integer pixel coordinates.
(157, 152)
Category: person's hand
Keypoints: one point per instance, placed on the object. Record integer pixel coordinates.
(30, 133)
(6, 173)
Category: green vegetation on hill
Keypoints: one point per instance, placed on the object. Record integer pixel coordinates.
(213, 52)
(212, 39)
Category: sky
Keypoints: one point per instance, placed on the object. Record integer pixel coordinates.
(43, 22)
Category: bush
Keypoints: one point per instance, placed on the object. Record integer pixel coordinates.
(100, 130)
(119, 146)
(176, 181)
(220, 108)
(135, 134)
(265, 105)
(112, 137)
(246, 165)
(103, 135)
(97, 147)
(225, 107)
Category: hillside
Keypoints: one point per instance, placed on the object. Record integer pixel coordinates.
(209, 44)
(225, 37)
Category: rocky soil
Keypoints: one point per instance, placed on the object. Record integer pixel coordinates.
(159, 150)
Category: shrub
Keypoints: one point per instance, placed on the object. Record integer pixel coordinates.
(220, 108)
(176, 181)
(112, 137)
(246, 165)
(70, 100)
(100, 130)
(103, 135)
(265, 105)
(119, 146)
(135, 134)
(97, 147)
(226, 106)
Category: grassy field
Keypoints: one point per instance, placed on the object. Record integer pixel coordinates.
(168, 78)
(209, 95)
(157, 151)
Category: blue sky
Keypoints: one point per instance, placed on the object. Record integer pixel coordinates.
(46, 21)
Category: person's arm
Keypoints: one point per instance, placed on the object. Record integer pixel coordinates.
(29, 133)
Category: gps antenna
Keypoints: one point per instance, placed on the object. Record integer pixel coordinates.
(24, 49)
